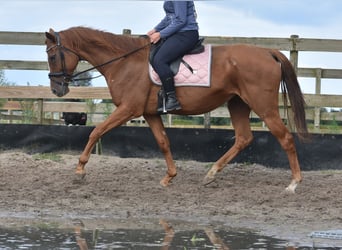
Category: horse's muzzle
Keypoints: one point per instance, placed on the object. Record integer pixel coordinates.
(60, 90)
(56, 93)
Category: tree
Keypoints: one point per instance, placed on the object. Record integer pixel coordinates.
(83, 80)
(3, 82)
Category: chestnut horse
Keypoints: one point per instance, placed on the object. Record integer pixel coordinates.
(243, 76)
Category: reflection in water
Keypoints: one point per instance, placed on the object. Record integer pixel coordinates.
(81, 242)
(215, 239)
(166, 237)
(169, 234)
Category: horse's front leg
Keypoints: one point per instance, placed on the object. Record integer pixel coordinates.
(117, 118)
(159, 133)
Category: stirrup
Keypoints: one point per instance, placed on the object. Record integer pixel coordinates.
(161, 109)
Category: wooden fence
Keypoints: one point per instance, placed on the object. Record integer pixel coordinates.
(294, 45)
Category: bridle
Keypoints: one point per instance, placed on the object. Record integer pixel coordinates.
(71, 77)
(66, 77)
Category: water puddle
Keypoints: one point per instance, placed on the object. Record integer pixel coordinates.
(78, 234)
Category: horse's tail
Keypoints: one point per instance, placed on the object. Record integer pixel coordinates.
(291, 89)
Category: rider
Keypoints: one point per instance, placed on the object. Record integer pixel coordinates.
(178, 33)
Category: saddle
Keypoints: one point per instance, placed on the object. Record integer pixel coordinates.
(174, 66)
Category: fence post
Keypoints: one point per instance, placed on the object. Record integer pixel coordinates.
(169, 120)
(40, 113)
(207, 120)
(294, 52)
(98, 147)
(317, 118)
(10, 112)
(294, 61)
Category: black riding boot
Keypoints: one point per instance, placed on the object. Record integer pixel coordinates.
(171, 99)
(167, 100)
(172, 102)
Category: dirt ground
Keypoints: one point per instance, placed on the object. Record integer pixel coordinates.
(244, 196)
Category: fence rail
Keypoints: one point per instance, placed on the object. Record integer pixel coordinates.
(294, 45)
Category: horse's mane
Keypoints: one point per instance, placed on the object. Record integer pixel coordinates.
(81, 35)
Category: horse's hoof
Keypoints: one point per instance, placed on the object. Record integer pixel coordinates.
(291, 189)
(80, 177)
(166, 181)
(163, 183)
(208, 179)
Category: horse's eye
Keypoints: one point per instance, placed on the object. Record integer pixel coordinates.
(52, 59)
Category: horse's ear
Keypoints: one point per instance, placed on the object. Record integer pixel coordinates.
(50, 35)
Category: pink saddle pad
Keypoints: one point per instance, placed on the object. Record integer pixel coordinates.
(200, 77)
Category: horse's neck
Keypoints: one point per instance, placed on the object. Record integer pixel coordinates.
(103, 52)
(95, 55)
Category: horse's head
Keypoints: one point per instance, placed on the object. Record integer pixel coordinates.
(62, 63)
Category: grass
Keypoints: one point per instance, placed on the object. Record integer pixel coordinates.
(50, 225)
(48, 156)
(331, 171)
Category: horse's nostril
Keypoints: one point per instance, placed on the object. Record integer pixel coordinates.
(55, 92)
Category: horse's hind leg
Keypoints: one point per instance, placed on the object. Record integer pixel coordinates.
(285, 138)
(239, 113)
(159, 133)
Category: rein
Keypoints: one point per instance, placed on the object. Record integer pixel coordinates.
(108, 62)
(68, 77)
